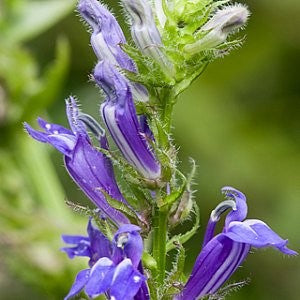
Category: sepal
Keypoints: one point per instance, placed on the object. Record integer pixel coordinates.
(184, 237)
(80, 281)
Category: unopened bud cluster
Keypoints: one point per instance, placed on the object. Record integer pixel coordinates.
(181, 37)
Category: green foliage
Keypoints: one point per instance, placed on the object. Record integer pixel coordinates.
(23, 20)
(131, 215)
(32, 211)
(176, 277)
(150, 73)
(29, 92)
(149, 262)
(184, 237)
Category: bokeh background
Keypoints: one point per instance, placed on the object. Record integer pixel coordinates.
(239, 121)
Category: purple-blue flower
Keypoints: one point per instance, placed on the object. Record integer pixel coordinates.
(107, 36)
(222, 254)
(119, 115)
(89, 168)
(115, 266)
(106, 40)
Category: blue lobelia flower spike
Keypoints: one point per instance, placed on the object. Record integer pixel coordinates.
(174, 42)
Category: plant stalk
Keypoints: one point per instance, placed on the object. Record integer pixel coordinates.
(160, 242)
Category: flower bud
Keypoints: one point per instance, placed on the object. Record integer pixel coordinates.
(159, 11)
(120, 117)
(107, 35)
(224, 22)
(106, 39)
(145, 33)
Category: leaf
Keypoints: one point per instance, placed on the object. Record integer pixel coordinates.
(186, 82)
(128, 170)
(34, 17)
(174, 195)
(176, 275)
(149, 262)
(150, 72)
(83, 210)
(182, 238)
(178, 266)
(102, 224)
(120, 206)
(222, 293)
(138, 197)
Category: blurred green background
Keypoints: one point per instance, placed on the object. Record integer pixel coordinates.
(239, 121)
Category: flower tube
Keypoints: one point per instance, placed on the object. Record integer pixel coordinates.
(89, 168)
(120, 117)
(107, 35)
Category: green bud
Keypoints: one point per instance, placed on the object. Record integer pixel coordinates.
(224, 22)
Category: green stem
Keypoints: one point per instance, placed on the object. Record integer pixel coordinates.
(160, 242)
(168, 103)
(160, 216)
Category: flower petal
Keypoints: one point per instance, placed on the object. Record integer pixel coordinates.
(92, 171)
(53, 128)
(130, 228)
(80, 281)
(145, 33)
(143, 293)
(72, 112)
(100, 244)
(215, 217)
(101, 277)
(107, 34)
(106, 40)
(240, 213)
(215, 264)
(74, 239)
(120, 117)
(132, 243)
(145, 129)
(257, 234)
(126, 282)
(62, 142)
(37, 135)
(82, 247)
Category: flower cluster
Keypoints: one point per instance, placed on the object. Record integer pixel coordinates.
(114, 265)
(173, 42)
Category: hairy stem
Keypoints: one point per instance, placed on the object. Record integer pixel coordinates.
(160, 242)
